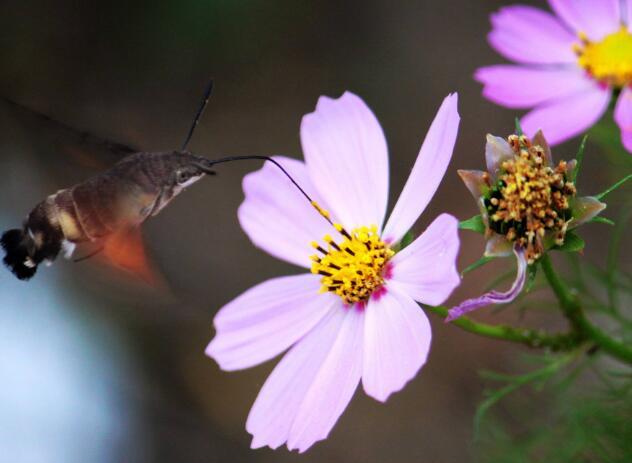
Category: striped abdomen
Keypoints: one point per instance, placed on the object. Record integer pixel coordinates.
(101, 206)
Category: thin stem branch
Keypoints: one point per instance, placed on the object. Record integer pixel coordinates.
(579, 323)
(613, 187)
(529, 337)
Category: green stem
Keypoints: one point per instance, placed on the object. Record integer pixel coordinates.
(528, 337)
(579, 323)
(613, 187)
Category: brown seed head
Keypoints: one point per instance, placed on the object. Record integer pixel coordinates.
(530, 198)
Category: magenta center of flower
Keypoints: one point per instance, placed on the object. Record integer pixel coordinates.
(355, 267)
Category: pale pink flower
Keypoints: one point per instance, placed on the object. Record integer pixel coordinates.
(569, 65)
(375, 331)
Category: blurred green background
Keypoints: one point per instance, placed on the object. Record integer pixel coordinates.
(97, 367)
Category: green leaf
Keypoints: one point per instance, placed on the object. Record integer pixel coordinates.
(519, 131)
(607, 134)
(614, 257)
(572, 243)
(577, 424)
(475, 224)
(479, 263)
(600, 219)
(532, 271)
(408, 238)
(515, 383)
(613, 187)
(580, 159)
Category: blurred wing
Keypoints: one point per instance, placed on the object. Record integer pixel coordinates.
(84, 148)
(126, 251)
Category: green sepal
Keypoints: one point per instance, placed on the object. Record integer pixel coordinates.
(580, 159)
(519, 131)
(408, 238)
(572, 243)
(475, 224)
(605, 220)
(479, 263)
(532, 271)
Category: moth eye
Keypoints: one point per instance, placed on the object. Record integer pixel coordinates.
(182, 176)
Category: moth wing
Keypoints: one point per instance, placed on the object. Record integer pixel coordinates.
(125, 250)
(83, 148)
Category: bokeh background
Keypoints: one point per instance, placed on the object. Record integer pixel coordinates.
(95, 366)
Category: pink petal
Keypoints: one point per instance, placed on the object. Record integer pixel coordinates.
(332, 387)
(280, 398)
(525, 87)
(428, 171)
(426, 269)
(475, 182)
(596, 18)
(530, 35)
(497, 150)
(498, 246)
(397, 338)
(276, 217)
(627, 16)
(567, 117)
(267, 319)
(494, 297)
(623, 114)
(346, 155)
(538, 139)
(626, 139)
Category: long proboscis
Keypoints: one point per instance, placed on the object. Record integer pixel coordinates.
(211, 162)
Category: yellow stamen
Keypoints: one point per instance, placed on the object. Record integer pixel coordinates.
(354, 268)
(610, 60)
(530, 198)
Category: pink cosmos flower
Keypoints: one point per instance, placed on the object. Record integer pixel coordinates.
(568, 67)
(354, 316)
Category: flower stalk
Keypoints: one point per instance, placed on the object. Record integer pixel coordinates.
(526, 336)
(572, 309)
(581, 330)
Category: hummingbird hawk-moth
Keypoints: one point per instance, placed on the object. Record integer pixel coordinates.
(108, 207)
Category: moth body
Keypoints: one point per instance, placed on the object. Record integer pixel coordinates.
(123, 197)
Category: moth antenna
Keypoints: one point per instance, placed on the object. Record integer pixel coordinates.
(198, 115)
(321, 211)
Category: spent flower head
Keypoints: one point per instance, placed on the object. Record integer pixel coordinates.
(528, 204)
(530, 198)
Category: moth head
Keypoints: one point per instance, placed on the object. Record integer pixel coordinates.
(187, 175)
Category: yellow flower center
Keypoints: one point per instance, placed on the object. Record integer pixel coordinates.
(610, 60)
(355, 267)
(530, 198)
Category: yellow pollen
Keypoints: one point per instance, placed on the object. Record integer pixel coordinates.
(610, 60)
(530, 198)
(320, 210)
(353, 268)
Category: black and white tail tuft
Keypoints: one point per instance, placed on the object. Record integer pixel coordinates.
(17, 258)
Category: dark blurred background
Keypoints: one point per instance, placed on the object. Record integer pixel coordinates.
(96, 366)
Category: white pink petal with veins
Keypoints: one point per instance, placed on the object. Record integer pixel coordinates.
(336, 342)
